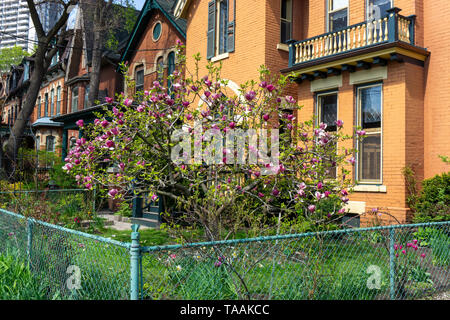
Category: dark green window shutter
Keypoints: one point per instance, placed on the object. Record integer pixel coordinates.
(211, 29)
(230, 36)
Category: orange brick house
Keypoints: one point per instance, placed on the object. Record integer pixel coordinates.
(150, 51)
(378, 64)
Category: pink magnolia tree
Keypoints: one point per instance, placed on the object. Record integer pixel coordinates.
(220, 158)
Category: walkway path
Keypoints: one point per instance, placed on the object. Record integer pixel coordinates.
(117, 222)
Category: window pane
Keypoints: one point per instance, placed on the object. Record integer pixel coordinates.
(370, 107)
(223, 27)
(286, 10)
(370, 158)
(338, 20)
(285, 31)
(338, 4)
(328, 111)
(378, 8)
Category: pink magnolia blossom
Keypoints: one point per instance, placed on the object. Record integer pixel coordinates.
(80, 123)
(112, 193)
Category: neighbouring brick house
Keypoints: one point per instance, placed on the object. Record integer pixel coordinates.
(50, 103)
(77, 78)
(150, 51)
(13, 91)
(361, 61)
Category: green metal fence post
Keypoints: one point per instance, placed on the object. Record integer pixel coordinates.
(135, 253)
(392, 262)
(29, 241)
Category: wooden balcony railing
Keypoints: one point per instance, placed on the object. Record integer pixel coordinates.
(391, 28)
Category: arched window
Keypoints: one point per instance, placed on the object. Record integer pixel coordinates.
(170, 67)
(160, 69)
(139, 78)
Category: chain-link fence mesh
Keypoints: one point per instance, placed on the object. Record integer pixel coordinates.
(67, 264)
(392, 262)
(407, 262)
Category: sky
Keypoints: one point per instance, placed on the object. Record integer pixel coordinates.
(139, 4)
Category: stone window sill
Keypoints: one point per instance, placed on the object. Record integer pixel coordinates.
(220, 57)
(283, 47)
(370, 188)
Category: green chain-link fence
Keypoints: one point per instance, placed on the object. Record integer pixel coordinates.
(392, 262)
(68, 264)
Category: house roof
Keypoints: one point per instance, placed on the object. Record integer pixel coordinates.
(46, 122)
(167, 7)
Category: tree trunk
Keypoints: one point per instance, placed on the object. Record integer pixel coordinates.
(99, 29)
(13, 143)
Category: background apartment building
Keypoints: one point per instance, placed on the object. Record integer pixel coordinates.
(16, 25)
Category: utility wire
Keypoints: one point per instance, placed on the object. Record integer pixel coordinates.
(74, 47)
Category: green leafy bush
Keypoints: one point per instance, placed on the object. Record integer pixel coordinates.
(433, 203)
(17, 281)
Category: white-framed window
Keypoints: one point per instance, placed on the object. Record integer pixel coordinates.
(327, 111)
(58, 100)
(286, 21)
(220, 32)
(337, 15)
(369, 117)
(52, 101)
(75, 99)
(376, 9)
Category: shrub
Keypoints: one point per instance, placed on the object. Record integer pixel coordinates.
(433, 203)
(17, 282)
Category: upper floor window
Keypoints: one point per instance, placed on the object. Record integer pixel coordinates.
(139, 77)
(220, 30)
(377, 9)
(58, 100)
(86, 96)
(369, 110)
(337, 15)
(52, 101)
(39, 107)
(157, 31)
(46, 105)
(75, 99)
(286, 20)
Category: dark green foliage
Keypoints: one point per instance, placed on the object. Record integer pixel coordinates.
(433, 203)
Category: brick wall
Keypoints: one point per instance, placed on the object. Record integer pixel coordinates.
(437, 93)
(148, 51)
